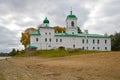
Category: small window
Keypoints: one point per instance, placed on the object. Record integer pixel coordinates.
(98, 48)
(74, 46)
(36, 39)
(93, 41)
(105, 41)
(83, 41)
(93, 48)
(72, 24)
(98, 41)
(46, 33)
(83, 48)
(56, 40)
(105, 48)
(60, 40)
(49, 33)
(50, 39)
(87, 48)
(87, 41)
(72, 32)
(45, 39)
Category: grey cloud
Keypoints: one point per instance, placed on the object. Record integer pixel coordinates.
(106, 18)
(107, 21)
(8, 39)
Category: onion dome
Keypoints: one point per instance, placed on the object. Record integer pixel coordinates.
(46, 20)
(71, 15)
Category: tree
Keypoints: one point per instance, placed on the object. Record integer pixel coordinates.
(13, 52)
(79, 30)
(59, 29)
(25, 38)
(115, 42)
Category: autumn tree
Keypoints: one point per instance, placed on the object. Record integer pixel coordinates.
(59, 29)
(25, 36)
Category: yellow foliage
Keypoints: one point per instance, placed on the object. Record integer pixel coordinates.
(25, 38)
(59, 29)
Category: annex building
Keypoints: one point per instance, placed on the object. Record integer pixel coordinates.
(46, 38)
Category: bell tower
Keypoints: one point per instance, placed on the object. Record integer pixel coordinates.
(71, 23)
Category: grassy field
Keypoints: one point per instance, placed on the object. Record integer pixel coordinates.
(57, 53)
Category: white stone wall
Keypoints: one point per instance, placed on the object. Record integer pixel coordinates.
(70, 29)
(68, 22)
(68, 42)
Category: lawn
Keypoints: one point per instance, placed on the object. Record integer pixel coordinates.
(59, 53)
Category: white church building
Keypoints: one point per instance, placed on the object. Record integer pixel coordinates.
(45, 37)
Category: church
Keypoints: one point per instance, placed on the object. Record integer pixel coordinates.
(45, 37)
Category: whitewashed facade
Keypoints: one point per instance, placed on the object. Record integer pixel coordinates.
(46, 38)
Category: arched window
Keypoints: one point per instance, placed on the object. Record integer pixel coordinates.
(105, 48)
(93, 48)
(60, 40)
(74, 46)
(105, 41)
(83, 41)
(72, 24)
(98, 48)
(93, 41)
(56, 40)
(98, 41)
(37, 39)
(87, 41)
(45, 39)
(83, 48)
(50, 39)
(87, 48)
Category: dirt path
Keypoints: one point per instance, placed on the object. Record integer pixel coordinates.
(99, 66)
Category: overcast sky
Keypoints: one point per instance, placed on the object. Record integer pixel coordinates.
(98, 16)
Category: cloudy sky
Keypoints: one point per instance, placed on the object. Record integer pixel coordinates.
(98, 16)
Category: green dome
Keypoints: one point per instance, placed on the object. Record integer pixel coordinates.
(71, 15)
(46, 20)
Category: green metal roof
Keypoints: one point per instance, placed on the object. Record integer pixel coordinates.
(71, 16)
(36, 33)
(82, 35)
(32, 47)
(97, 36)
(47, 27)
(73, 35)
(46, 20)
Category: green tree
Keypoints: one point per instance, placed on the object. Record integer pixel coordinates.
(115, 42)
(79, 30)
(13, 52)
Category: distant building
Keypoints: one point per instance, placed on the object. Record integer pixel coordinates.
(46, 38)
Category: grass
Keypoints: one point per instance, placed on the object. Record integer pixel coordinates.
(60, 53)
